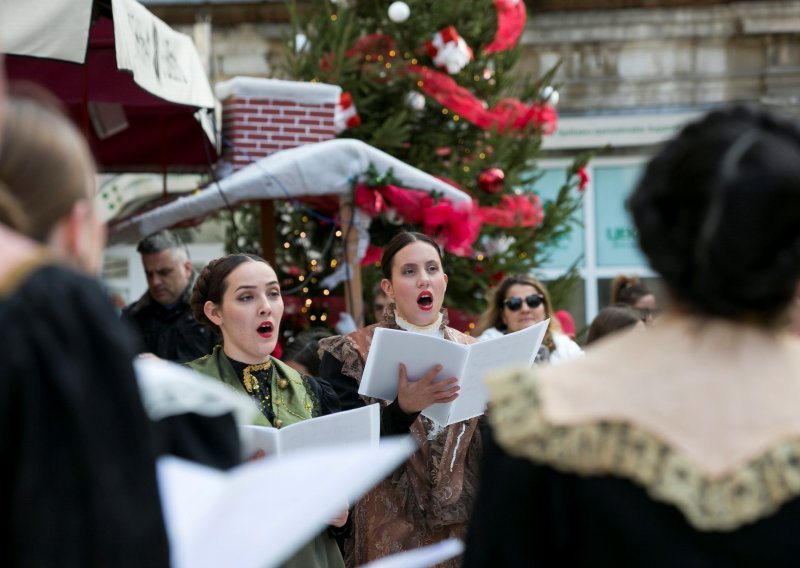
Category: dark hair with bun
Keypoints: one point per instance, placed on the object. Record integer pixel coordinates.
(211, 284)
(398, 243)
(612, 319)
(303, 348)
(718, 214)
(628, 290)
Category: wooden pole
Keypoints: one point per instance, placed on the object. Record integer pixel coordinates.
(268, 244)
(353, 289)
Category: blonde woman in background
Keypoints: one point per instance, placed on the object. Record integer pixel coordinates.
(518, 302)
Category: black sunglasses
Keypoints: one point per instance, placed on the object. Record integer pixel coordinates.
(515, 303)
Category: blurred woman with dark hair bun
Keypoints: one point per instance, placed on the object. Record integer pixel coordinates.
(680, 445)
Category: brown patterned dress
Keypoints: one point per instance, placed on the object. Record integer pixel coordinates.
(430, 497)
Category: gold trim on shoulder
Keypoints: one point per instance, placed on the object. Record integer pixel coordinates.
(15, 276)
(753, 491)
(249, 381)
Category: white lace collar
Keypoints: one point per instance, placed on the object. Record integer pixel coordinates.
(434, 329)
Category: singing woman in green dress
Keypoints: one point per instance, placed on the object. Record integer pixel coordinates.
(240, 298)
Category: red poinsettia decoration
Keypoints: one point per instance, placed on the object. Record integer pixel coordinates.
(455, 226)
(372, 256)
(514, 211)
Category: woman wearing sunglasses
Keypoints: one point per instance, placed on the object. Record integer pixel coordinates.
(519, 302)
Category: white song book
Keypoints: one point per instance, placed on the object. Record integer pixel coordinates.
(258, 514)
(468, 363)
(358, 426)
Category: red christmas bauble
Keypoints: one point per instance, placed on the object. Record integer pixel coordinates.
(491, 180)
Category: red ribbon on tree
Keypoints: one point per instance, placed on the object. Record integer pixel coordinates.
(456, 227)
(508, 114)
(510, 24)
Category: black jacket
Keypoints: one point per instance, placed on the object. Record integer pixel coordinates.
(78, 485)
(170, 333)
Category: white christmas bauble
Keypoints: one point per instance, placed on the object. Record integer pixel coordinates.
(393, 217)
(550, 95)
(301, 43)
(399, 12)
(415, 101)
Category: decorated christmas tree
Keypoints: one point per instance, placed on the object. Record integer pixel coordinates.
(430, 82)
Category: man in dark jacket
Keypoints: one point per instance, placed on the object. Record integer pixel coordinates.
(162, 316)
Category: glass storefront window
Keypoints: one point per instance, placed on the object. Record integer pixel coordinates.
(615, 237)
(569, 248)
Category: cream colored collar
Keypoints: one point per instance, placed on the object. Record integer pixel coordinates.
(435, 329)
(719, 392)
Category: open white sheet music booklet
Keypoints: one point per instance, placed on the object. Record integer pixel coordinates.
(468, 363)
(358, 426)
(258, 514)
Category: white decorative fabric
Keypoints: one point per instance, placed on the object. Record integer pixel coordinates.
(168, 389)
(59, 32)
(490, 333)
(177, 74)
(565, 350)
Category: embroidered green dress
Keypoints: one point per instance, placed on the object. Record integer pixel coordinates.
(284, 397)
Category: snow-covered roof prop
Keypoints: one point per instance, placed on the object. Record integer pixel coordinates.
(297, 91)
(325, 168)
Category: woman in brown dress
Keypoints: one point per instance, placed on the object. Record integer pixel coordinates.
(430, 497)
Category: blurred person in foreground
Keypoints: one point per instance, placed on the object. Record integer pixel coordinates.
(679, 446)
(78, 487)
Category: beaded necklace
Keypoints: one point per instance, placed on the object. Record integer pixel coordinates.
(257, 381)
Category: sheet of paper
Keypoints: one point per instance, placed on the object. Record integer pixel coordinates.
(258, 438)
(258, 514)
(421, 557)
(419, 353)
(516, 349)
(468, 363)
(357, 426)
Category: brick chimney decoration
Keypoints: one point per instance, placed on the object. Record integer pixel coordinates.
(263, 116)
